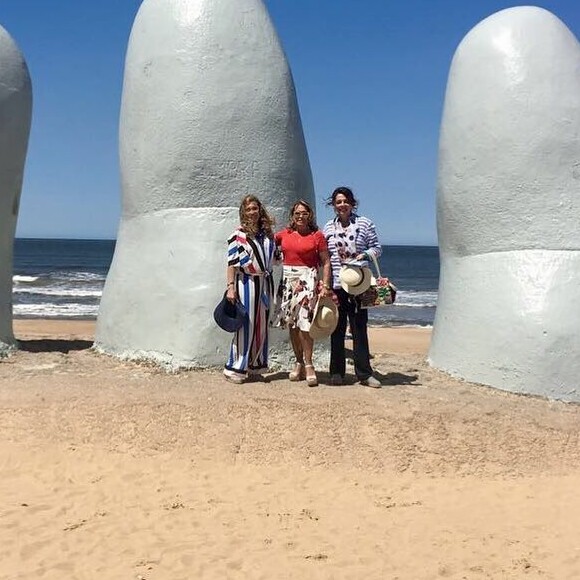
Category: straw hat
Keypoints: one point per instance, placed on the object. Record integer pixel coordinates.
(325, 318)
(355, 279)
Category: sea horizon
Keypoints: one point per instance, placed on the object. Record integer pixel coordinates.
(63, 278)
(405, 245)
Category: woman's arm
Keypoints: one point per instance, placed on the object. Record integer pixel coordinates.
(278, 254)
(324, 258)
(232, 293)
(233, 265)
(373, 246)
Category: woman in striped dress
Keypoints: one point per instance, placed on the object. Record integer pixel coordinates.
(251, 255)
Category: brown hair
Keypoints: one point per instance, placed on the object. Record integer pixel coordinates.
(265, 223)
(311, 219)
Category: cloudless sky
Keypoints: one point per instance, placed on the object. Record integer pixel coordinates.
(370, 77)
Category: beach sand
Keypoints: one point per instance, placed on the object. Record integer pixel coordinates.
(116, 470)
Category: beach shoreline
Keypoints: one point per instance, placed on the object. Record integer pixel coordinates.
(115, 469)
(54, 328)
(399, 339)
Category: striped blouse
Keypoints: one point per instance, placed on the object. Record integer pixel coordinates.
(253, 256)
(366, 240)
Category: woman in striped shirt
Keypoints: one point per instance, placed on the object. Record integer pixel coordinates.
(251, 255)
(350, 237)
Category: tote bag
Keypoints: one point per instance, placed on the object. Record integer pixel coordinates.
(382, 291)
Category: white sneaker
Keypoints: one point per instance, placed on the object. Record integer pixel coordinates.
(372, 382)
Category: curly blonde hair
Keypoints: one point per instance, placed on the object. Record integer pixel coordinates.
(265, 223)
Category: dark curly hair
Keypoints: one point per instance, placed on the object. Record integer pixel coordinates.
(347, 192)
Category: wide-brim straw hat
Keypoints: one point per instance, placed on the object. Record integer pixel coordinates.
(325, 318)
(355, 279)
(230, 316)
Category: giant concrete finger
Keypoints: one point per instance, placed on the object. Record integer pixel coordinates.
(209, 114)
(15, 116)
(508, 210)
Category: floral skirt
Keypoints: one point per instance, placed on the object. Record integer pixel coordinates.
(296, 298)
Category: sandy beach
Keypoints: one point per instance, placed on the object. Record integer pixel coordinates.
(116, 470)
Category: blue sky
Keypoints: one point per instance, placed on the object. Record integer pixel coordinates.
(370, 78)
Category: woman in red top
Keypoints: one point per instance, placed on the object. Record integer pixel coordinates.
(304, 252)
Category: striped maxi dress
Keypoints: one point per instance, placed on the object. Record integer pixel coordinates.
(253, 259)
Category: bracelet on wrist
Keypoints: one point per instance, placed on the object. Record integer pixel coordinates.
(230, 284)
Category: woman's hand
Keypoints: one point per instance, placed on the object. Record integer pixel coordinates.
(362, 256)
(324, 292)
(231, 294)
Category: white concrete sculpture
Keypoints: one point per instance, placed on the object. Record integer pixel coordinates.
(508, 208)
(15, 117)
(209, 114)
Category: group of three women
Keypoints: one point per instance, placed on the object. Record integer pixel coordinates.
(311, 260)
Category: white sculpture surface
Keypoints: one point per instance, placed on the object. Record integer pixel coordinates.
(209, 114)
(15, 118)
(508, 208)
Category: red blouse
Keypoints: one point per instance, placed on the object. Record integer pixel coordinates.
(301, 250)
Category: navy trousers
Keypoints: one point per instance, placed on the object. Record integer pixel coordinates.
(349, 310)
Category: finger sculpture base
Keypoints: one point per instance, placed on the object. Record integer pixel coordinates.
(169, 319)
(510, 320)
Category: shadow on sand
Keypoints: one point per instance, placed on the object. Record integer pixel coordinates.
(54, 345)
(386, 379)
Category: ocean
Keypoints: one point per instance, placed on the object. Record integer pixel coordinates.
(65, 279)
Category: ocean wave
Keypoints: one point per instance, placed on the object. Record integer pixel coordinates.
(79, 276)
(402, 303)
(60, 276)
(50, 310)
(393, 324)
(24, 279)
(403, 315)
(416, 299)
(65, 292)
